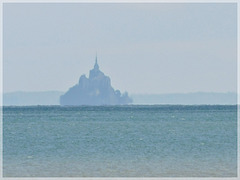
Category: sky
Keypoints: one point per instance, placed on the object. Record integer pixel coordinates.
(145, 48)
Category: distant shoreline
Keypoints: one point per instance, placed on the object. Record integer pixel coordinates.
(21, 98)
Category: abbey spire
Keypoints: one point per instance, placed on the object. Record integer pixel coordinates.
(95, 72)
(96, 64)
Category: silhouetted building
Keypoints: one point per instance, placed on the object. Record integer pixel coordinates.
(95, 90)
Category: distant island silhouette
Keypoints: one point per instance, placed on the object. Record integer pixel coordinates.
(95, 90)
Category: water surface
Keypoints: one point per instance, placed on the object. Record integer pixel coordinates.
(120, 141)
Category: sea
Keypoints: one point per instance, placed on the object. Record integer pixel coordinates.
(120, 141)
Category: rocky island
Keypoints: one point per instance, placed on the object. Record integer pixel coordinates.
(95, 90)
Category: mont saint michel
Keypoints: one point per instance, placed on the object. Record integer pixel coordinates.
(95, 90)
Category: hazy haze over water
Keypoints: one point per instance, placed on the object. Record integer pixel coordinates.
(144, 48)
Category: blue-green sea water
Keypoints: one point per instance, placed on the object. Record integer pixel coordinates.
(120, 141)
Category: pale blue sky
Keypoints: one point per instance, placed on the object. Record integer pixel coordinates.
(144, 48)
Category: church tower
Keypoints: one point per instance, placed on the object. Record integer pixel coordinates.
(96, 64)
(95, 71)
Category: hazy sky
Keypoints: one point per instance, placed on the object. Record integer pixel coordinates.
(144, 48)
